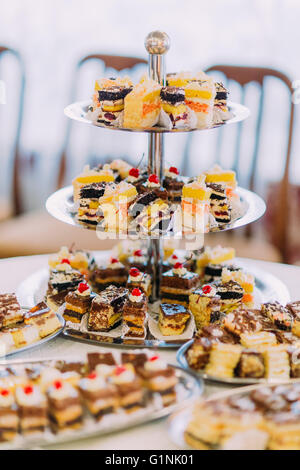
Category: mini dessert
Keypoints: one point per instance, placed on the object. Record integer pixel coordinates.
(251, 365)
(90, 177)
(195, 206)
(198, 354)
(131, 395)
(114, 207)
(231, 294)
(99, 397)
(217, 255)
(9, 420)
(224, 177)
(173, 184)
(7, 343)
(135, 314)
(114, 274)
(140, 280)
(89, 203)
(174, 113)
(78, 303)
(178, 284)
(219, 204)
(10, 310)
(138, 260)
(217, 334)
(200, 97)
(173, 319)
(95, 359)
(142, 105)
(279, 315)
(257, 340)
(294, 308)
(141, 203)
(42, 318)
(182, 79)
(204, 304)
(245, 280)
(80, 260)
(241, 322)
(121, 168)
(108, 100)
(223, 360)
(25, 335)
(159, 378)
(63, 279)
(107, 308)
(155, 219)
(136, 359)
(277, 363)
(32, 407)
(212, 273)
(187, 261)
(294, 358)
(65, 408)
(136, 177)
(153, 184)
(221, 112)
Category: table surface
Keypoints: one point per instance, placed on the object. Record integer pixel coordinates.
(152, 436)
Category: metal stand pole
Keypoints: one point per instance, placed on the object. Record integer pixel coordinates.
(157, 44)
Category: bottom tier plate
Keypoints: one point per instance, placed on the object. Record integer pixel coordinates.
(32, 290)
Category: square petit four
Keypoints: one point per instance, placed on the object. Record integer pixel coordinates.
(100, 397)
(242, 321)
(107, 309)
(205, 305)
(137, 177)
(42, 317)
(138, 260)
(78, 303)
(89, 203)
(142, 105)
(9, 420)
(195, 206)
(63, 279)
(178, 284)
(114, 273)
(219, 203)
(173, 319)
(10, 310)
(90, 176)
(65, 407)
(173, 184)
(251, 365)
(140, 280)
(245, 280)
(160, 378)
(32, 406)
(231, 294)
(131, 394)
(135, 314)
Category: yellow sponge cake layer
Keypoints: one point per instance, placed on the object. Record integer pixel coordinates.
(142, 105)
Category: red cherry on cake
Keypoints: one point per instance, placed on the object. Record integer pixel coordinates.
(28, 390)
(65, 261)
(154, 358)
(119, 370)
(135, 172)
(136, 292)
(206, 289)
(92, 376)
(178, 266)
(4, 393)
(153, 179)
(174, 257)
(174, 170)
(82, 287)
(114, 260)
(58, 384)
(134, 272)
(138, 253)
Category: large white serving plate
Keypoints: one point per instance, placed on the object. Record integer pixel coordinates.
(61, 206)
(78, 112)
(33, 289)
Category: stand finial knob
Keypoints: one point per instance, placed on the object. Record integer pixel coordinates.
(157, 42)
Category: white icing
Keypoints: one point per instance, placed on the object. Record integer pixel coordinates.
(212, 293)
(132, 179)
(6, 400)
(135, 298)
(49, 375)
(169, 174)
(152, 185)
(93, 384)
(180, 271)
(157, 365)
(30, 399)
(139, 259)
(63, 267)
(117, 265)
(138, 278)
(104, 370)
(65, 391)
(125, 377)
(85, 293)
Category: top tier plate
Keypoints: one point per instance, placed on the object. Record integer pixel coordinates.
(78, 111)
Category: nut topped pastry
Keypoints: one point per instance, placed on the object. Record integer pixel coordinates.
(173, 319)
(107, 308)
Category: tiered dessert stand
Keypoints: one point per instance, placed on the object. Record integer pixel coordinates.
(157, 44)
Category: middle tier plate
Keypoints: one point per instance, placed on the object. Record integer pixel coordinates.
(32, 290)
(61, 206)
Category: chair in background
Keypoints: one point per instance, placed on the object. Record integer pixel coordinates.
(114, 62)
(15, 202)
(37, 232)
(279, 226)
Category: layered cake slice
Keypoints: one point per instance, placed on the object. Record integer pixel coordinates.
(10, 310)
(140, 280)
(173, 319)
(135, 315)
(174, 110)
(153, 184)
(205, 305)
(9, 420)
(91, 176)
(155, 219)
(114, 273)
(216, 255)
(25, 335)
(65, 407)
(258, 340)
(78, 303)
(95, 359)
(80, 260)
(178, 284)
(200, 95)
(107, 309)
(142, 105)
(32, 406)
(42, 317)
(143, 200)
(99, 397)
(277, 363)
(251, 365)
(138, 260)
(195, 206)
(173, 184)
(242, 321)
(278, 314)
(223, 360)
(221, 112)
(131, 394)
(110, 100)
(63, 279)
(219, 176)
(198, 354)
(231, 294)
(160, 378)
(246, 281)
(294, 308)
(89, 203)
(219, 204)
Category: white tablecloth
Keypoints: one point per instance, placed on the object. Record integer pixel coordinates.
(151, 436)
